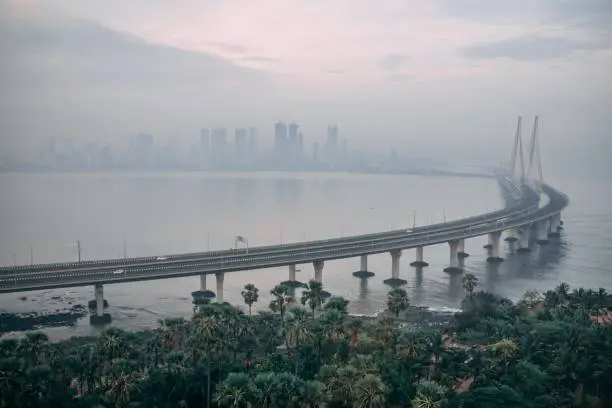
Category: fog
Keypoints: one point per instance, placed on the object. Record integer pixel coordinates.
(438, 79)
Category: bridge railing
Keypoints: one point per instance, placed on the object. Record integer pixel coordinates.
(237, 262)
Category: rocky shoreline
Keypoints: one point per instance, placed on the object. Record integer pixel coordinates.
(19, 322)
(415, 316)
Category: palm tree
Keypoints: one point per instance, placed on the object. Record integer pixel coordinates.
(123, 383)
(281, 295)
(369, 392)
(313, 295)
(250, 295)
(430, 394)
(563, 291)
(337, 303)
(397, 301)
(314, 395)
(354, 326)
(469, 282)
(296, 332)
(236, 391)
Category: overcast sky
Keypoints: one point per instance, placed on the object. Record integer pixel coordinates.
(435, 75)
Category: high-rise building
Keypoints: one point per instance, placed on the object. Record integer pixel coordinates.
(280, 139)
(204, 146)
(253, 145)
(204, 139)
(331, 144)
(300, 146)
(218, 145)
(293, 135)
(143, 150)
(240, 144)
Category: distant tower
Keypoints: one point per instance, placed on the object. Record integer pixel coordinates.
(331, 144)
(280, 139)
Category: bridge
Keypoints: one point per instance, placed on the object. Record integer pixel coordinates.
(522, 218)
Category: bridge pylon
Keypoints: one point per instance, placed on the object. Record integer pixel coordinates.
(517, 154)
(535, 160)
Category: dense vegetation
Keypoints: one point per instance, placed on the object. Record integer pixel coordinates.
(553, 351)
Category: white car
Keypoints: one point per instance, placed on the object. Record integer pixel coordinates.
(162, 258)
(118, 271)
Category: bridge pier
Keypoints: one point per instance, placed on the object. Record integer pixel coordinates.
(318, 269)
(419, 263)
(395, 280)
(363, 270)
(555, 226)
(542, 232)
(461, 249)
(489, 244)
(203, 293)
(292, 282)
(512, 235)
(220, 276)
(454, 266)
(523, 242)
(494, 239)
(100, 317)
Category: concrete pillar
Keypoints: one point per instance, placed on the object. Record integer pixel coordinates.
(364, 263)
(363, 269)
(554, 225)
(494, 239)
(513, 235)
(99, 317)
(99, 291)
(419, 262)
(454, 258)
(489, 244)
(203, 283)
(318, 269)
(220, 276)
(523, 240)
(292, 273)
(461, 249)
(542, 232)
(395, 280)
(395, 263)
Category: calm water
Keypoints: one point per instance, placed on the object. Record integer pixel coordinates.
(152, 214)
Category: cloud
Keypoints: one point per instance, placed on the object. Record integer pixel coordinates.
(232, 48)
(392, 62)
(529, 48)
(88, 54)
(334, 72)
(258, 58)
(397, 77)
(591, 17)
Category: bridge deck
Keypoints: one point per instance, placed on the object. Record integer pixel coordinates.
(523, 212)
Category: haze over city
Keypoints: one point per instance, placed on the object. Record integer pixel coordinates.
(438, 79)
(305, 203)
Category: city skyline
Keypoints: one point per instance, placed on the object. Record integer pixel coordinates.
(425, 78)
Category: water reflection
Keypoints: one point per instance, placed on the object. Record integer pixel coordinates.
(417, 286)
(363, 288)
(455, 290)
